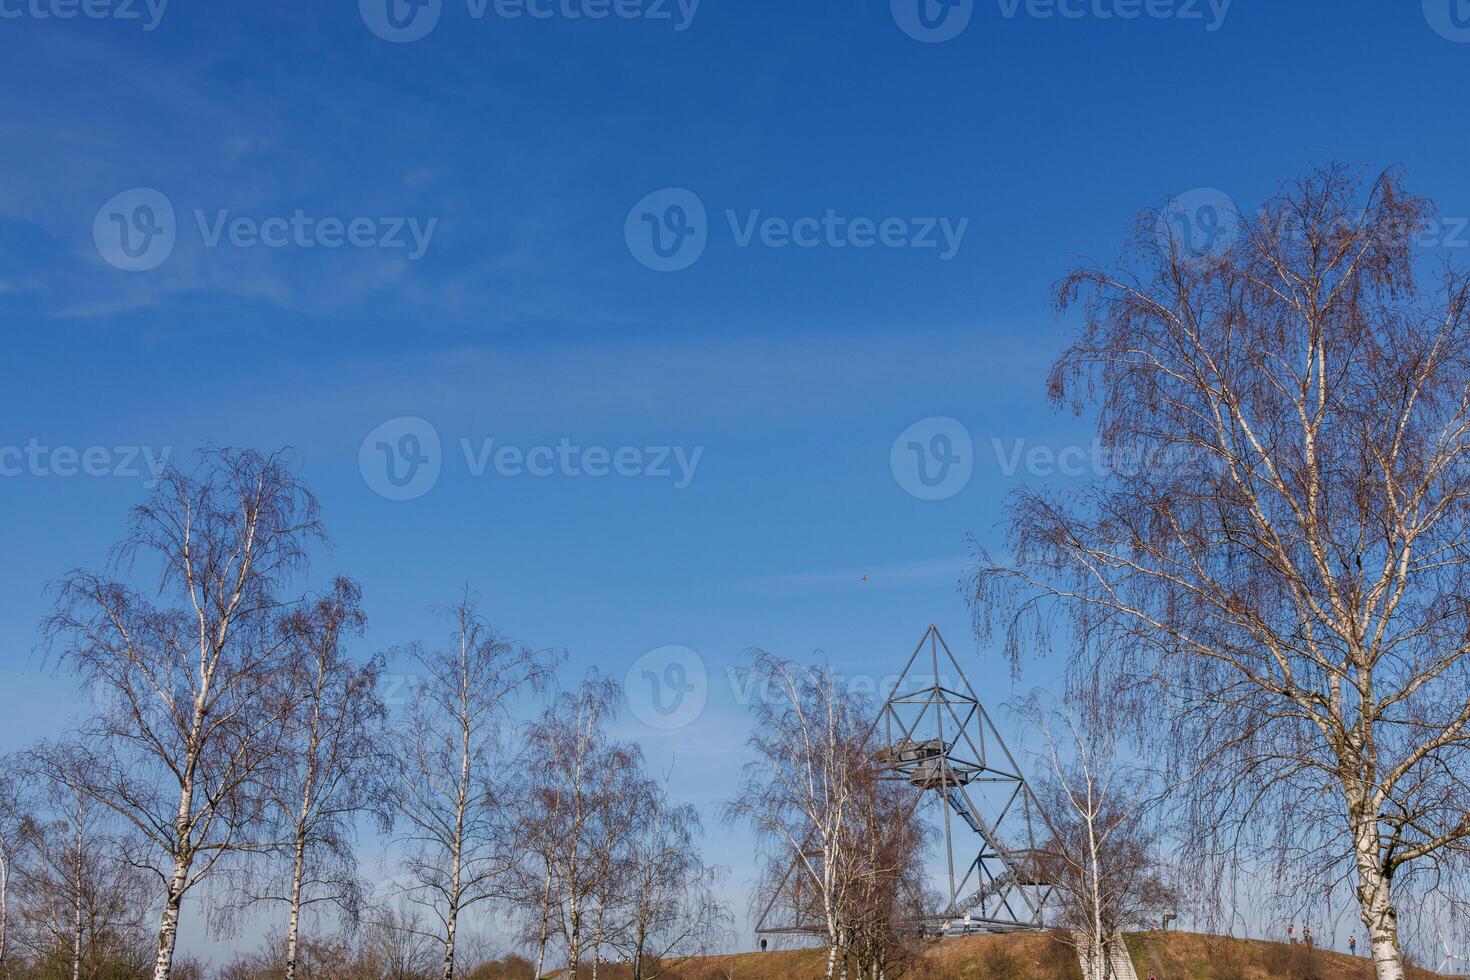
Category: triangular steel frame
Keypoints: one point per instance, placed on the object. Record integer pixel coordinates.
(940, 738)
(944, 741)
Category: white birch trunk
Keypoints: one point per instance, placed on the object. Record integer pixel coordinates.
(293, 926)
(78, 885)
(168, 923)
(4, 909)
(545, 935)
(1379, 914)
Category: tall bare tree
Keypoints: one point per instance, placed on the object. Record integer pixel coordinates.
(620, 793)
(331, 767)
(1284, 550)
(538, 817)
(887, 898)
(673, 909)
(83, 904)
(802, 794)
(12, 817)
(454, 764)
(1099, 856)
(573, 757)
(183, 747)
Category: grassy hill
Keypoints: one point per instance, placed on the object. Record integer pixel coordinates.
(1172, 955)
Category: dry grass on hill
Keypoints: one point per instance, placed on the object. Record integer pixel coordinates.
(1031, 956)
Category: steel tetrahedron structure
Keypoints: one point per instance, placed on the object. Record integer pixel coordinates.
(934, 733)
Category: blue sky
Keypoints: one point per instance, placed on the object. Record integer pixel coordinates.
(519, 147)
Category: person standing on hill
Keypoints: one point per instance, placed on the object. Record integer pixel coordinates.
(1352, 945)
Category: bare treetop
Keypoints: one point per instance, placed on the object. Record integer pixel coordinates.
(1281, 565)
(182, 744)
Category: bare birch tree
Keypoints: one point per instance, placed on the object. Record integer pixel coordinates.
(570, 752)
(538, 817)
(673, 910)
(887, 898)
(331, 767)
(454, 766)
(83, 905)
(12, 816)
(801, 795)
(1281, 543)
(184, 745)
(1099, 857)
(620, 792)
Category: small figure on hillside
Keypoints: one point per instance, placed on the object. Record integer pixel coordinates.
(1152, 975)
(1307, 935)
(1291, 934)
(1353, 945)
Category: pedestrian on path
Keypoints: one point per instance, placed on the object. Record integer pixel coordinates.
(1353, 945)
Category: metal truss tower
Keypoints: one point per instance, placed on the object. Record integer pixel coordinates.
(936, 735)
